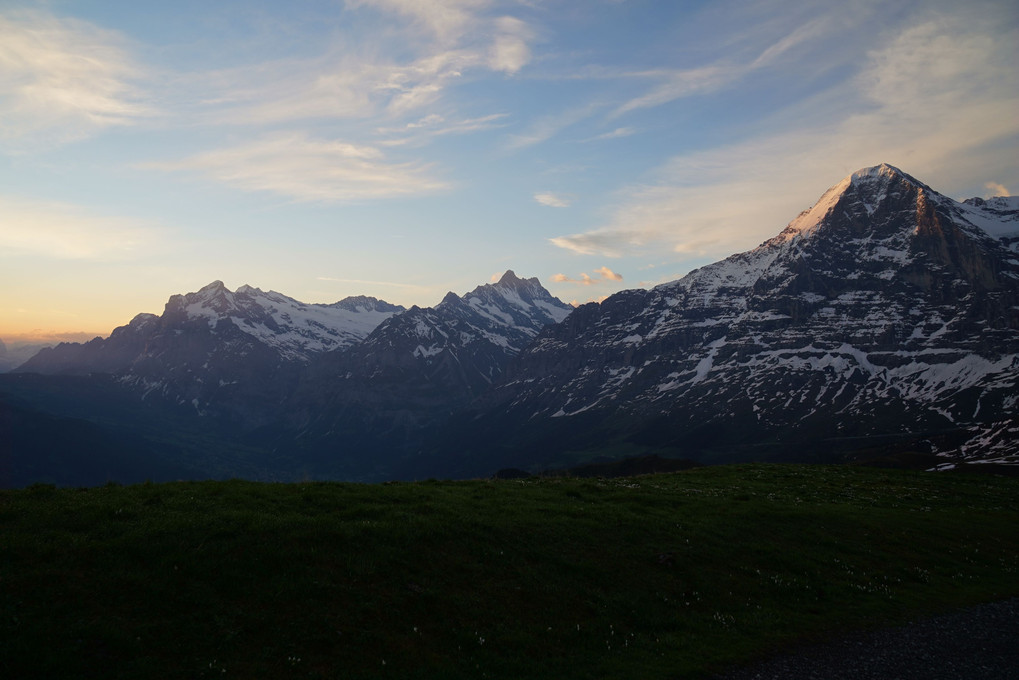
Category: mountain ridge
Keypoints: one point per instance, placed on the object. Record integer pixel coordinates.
(293, 329)
(417, 368)
(881, 322)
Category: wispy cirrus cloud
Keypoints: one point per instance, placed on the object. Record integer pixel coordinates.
(333, 86)
(501, 42)
(681, 83)
(615, 134)
(684, 82)
(933, 99)
(63, 79)
(423, 130)
(62, 231)
(304, 168)
(670, 84)
(283, 91)
(408, 69)
(546, 127)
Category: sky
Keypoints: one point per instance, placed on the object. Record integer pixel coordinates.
(406, 148)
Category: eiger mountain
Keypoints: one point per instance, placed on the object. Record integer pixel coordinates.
(884, 320)
(882, 324)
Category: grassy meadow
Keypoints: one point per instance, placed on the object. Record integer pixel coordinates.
(675, 575)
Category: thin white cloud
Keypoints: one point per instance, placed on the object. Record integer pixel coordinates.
(934, 100)
(680, 83)
(63, 79)
(804, 33)
(617, 133)
(604, 274)
(683, 83)
(552, 200)
(66, 232)
(546, 127)
(307, 169)
(332, 86)
(422, 82)
(433, 125)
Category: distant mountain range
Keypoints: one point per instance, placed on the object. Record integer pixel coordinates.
(15, 354)
(882, 324)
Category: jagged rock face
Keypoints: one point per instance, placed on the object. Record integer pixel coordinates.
(463, 343)
(883, 310)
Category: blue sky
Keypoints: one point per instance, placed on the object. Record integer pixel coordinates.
(405, 148)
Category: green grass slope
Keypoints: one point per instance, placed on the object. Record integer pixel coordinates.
(666, 576)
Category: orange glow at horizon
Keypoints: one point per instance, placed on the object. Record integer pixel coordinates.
(39, 336)
(53, 326)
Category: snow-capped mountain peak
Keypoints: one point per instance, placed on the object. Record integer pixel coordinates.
(882, 174)
(525, 300)
(508, 314)
(294, 329)
(876, 226)
(234, 353)
(861, 194)
(365, 303)
(216, 320)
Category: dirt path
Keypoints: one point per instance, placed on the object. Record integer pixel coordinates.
(978, 643)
